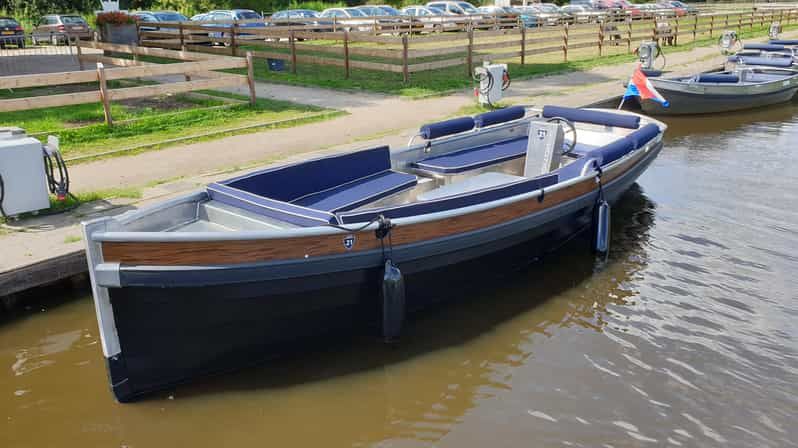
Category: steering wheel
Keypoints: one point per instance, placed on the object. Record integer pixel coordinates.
(569, 127)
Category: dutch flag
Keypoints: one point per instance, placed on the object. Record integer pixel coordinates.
(639, 85)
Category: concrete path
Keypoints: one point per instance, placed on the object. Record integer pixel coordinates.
(373, 119)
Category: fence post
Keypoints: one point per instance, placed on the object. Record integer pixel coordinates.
(80, 54)
(405, 70)
(676, 36)
(138, 33)
(751, 23)
(600, 37)
(469, 55)
(523, 44)
(346, 54)
(233, 43)
(565, 42)
(629, 35)
(334, 24)
(739, 24)
(182, 40)
(695, 27)
(726, 24)
(292, 44)
(104, 94)
(251, 79)
(711, 25)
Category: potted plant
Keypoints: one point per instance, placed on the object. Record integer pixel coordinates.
(117, 27)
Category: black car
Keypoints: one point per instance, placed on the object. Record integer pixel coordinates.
(11, 33)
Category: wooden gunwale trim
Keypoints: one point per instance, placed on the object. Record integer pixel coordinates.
(253, 251)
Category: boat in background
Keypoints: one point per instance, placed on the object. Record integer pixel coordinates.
(256, 266)
(748, 85)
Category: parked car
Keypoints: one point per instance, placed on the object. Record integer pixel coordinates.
(676, 11)
(294, 17)
(56, 27)
(11, 32)
(223, 19)
(200, 17)
(432, 18)
(457, 8)
(547, 13)
(389, 10)
(157, 16)
(689, 9)
(349, 19)
(582, 14)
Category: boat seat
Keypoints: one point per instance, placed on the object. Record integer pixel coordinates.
(782, 62)
(473, 158)
(359, 192)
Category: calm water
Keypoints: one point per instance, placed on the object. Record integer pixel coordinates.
(685, 336)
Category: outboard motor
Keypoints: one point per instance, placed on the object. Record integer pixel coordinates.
(648, 53)
(729, 42)
(775, 30)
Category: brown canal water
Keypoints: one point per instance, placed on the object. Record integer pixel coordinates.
(685, 336)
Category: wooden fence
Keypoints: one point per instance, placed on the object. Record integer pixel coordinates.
(406, 51)
(201, 64)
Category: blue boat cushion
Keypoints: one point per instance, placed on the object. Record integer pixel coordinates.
(784, 41)
(448, 127)
(452, 202)
(643, 135)
(499, 116)
(283, 211)
(473, 158)
(359, 192)
(763, 47)
(717, 78)
(592, 116)
(290, 182)
(759, 60)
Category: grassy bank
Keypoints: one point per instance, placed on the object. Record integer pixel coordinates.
(152, 123)
(454, 78)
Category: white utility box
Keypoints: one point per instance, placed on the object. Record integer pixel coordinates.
(22, 169)
(490, 87)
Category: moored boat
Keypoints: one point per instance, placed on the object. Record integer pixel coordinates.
(751, 84)
(250, 267)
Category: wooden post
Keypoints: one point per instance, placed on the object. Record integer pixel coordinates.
(469, 55)
(80, 54)
(600, 37)
(346, 54)
(182, 40)
(676, 36)
(739, 24)
(751, 23)
(233, 43)
(334, 24)
(565, 42)
(523, 44)
(138, 33)
(628, 35)
(726, 25)
(695, 27)
(104, 97)
(136, 54)
(405, 71)
(251, 79)
(711, 25)
(292, 44)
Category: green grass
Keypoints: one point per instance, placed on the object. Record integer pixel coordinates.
(72, 239)
(447, 80)
(73, 201)
(82, 131)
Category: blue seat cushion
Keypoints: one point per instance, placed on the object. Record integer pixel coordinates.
(721, 78)
(763, 47)
(448, 127)
(359, 192)
(784, 41)
(592, 116)
(473, 158)
(289, 182)
(758, 60)
(499, 116)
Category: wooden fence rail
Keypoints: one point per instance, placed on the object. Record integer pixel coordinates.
(193, 63)
(406, 51)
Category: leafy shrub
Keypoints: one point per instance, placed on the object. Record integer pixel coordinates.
(115, 18)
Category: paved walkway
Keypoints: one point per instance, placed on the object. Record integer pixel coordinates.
(371, 119)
